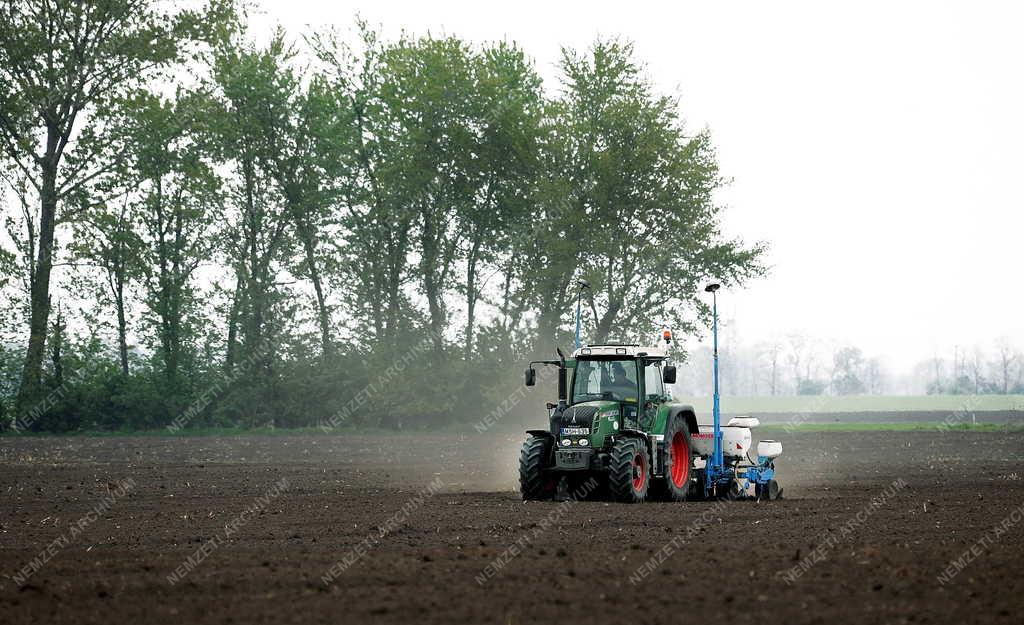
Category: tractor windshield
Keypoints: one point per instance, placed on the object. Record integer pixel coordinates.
(613, 380)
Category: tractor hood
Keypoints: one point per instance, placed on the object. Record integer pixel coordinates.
(584, 414)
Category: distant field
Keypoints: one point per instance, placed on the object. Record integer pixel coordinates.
(820, 404)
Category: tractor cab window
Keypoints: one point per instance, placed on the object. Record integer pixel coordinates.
(613, 380)
(654, 388)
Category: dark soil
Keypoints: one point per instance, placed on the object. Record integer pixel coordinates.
(555, 562)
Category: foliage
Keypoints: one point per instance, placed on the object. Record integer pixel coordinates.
(632, 170)
(368, 236)
(63, 64)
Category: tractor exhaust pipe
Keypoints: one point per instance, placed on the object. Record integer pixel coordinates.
(562, 374)
(530, 379)
(556, 414)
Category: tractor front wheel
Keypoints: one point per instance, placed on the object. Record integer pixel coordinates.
(535, 457)
(629, 471)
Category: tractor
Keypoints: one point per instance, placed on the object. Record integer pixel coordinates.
(615, 419)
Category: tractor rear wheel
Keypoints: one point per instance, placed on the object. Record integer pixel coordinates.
(534, 482)
(675, 486)
(629, 471)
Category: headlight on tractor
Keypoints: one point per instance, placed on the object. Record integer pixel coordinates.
(566, 442)
(583, 442)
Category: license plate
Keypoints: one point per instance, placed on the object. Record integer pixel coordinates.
(575, 431)
(572, 460)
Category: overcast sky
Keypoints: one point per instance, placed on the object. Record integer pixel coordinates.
(875, 146)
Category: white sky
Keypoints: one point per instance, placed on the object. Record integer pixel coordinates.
(875, 146)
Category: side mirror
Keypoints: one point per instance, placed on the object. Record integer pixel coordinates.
(530, 376)
(668, 374)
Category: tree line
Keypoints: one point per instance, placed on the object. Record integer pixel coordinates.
(787, 364)
(797, 364)
(974, 370)
(254, 234)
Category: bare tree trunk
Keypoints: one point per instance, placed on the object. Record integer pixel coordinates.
(432, 287)
(31, 377)
(57, 349)
(232, 340)
(298, 203)
(122, 329)
(471, 296)
(309, 247)
(396, 259)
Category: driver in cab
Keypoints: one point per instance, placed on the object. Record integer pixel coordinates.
(620, 385)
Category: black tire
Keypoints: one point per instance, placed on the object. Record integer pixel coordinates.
(734, 492)
(629, 474)
(534, 482)
(697, 490)
(679, 472)
(769, 491)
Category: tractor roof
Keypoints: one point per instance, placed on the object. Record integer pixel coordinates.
(620, 349)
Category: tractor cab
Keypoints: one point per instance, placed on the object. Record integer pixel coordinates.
(625, 378)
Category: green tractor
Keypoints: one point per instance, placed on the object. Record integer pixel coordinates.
(614, 420)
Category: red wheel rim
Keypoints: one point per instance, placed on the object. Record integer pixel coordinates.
(639, 472)
(680, 460)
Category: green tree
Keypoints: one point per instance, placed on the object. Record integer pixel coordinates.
(59, 62)
(646, 192)
(107, 239)
(848, 368)
(175, 204)
(446, 140)
(302, 146)
(508, 130)
(427, 98)
(547, 249)
(376, 207)
(257, 241)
